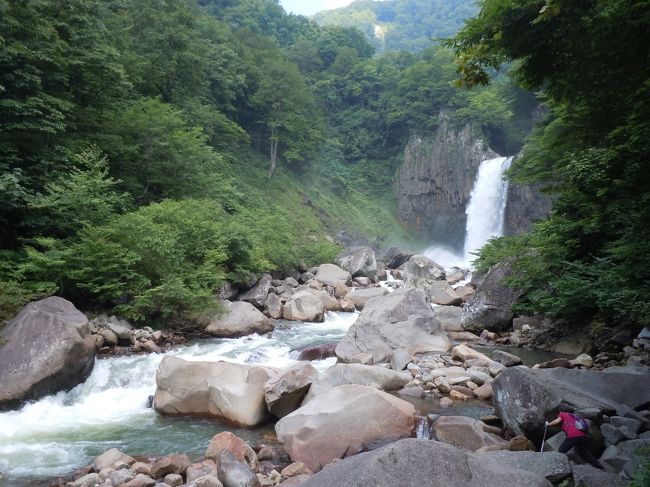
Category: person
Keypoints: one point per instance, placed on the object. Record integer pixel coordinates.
(574, 437)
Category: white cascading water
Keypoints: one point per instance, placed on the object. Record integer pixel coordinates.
(486, 208)
(57, 434)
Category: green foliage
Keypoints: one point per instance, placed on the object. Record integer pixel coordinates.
(641, 476)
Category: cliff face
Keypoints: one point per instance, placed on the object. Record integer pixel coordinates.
(525, 205)
(434, 184)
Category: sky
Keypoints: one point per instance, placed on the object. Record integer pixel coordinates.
(309, 7)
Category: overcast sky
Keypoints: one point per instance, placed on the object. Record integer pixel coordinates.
(309, 7)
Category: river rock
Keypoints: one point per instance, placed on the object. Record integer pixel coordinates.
(315, 352)
(241, 319)
(465, 353)
(304, 306)
(344, 421)
(285, 391)
(443, 294)
(110, 458)
(233, 473)
(421, 272)
(359, 262)
(173, 480)
(367, 375)
(361, 296)
(235, 445)
(399, 359)
(175, 463)
(273, 306)
(331, 275)
(395, 257)
(524, 398)
(491, 305)
(416, 463)
(121, 477)
(45, 349)
(449, 317)
(330, 303)
(465, 293)
(258, 293)
(400, 320)
(206, 481)
(582, 360)
(464, 432)
(552, 465)
(232, 392)
(506, 359)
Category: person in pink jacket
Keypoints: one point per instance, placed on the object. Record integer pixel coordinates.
(574, 437)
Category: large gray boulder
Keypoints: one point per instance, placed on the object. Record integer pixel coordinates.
(344, 421)
(416, 463)
(449, 317)
(361, 296)
(45, 349)
(443, 294)
(331, 275)
(551, 464)
(420, 272)
(395, 257)
(257, 294)
(241, 319)
(223, 390)
(491, 305)
(464, 432)
(359, 262)
(304, 306)
(233, 473)
(524, 398)
(400, 320)
(366, 375)
(285, 391)
(588, 476)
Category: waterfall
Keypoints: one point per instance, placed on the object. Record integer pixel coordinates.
(487, 205)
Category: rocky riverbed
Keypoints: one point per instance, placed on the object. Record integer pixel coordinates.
(430, 339)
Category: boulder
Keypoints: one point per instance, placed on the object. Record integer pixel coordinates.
(274, 306)
(359, 262)
(367, 375)
(506, 359)
(173, 480)
(400, 320)
(205, 481)
(552, 465)
(465, 353)
(582, 360)
(491, 305)
(240, 319)
(223, 390)
(361, 296)
(45, 349)
(465, 293)
(463, 432)
(258, 293)
(588, 476)
(110, 458)
(331, 275)
(484, 392)
(175, 463)
(524, 398)
(285, 391)
(304, 306)
(416, 463)
(314, 352)
(421, 272)
(347, 305)
(235, 445)
(344, 421)
(341, 290)
(449, 317)
(330, 303)
(443, 294)
(463, 336)
(233, 473)
(395, 257)
(399, 359)
(616, 456)
(227, 291)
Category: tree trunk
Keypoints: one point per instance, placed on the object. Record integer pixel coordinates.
(274, 153)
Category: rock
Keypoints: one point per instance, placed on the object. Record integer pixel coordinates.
(465, 432)
(232, 392)
(588, 476)
(347, 305)
(611, 434)
(443, 294)
(400, 320)
(583, 360)
(235, 445)
(315, 352)
(175, 463)
(89, 480)
(399, 359)
(616, 456)
(413, 391)
(109, 337)
(484, 392)
(121, 328)
(206, 481)
(233, 473)
(359, 262)
(274, 306)
(110, 458)
(296, 468)
(120, 477)
(45, 349)
(455, 275)
(458, 396)
(331, 275)
(142, 480)
(524, 398)
(173, 480)
(520, 443)
(341, 290)
(241, 319)
(197, 471)
(442, 383)
(465, 353)
(258, 293)
(417, 463)
(330, 303)
(449, 317)
(367, 375)
(304, 306)
(141, 467)
(285, 391)
(421, 272)
(150, 347)
(555, 363)
(291, 282)
(343, 421)
(491, 306)
(462, 336)
(465, 293)
(634, 425)
(506, 359)
(361, 296)
(395, 257)
(552, 465)
(296, 481)
(446, 402)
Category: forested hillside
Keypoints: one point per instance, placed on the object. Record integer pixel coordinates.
(151, 150)
(411, 25)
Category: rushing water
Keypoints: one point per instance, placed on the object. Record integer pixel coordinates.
(60, 433)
